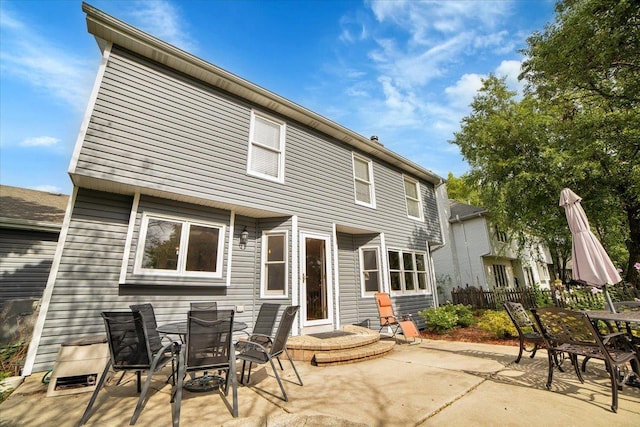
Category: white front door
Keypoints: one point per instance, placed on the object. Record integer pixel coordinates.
(316, 292)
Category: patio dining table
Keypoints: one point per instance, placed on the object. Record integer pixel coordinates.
(180, 328)
(207, 382)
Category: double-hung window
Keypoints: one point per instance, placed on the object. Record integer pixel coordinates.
(500, 275)
(171, 246)
(266, 147)
(369, 270)
(363, 181)
(274, 265)
(408, 272)
(413, 199)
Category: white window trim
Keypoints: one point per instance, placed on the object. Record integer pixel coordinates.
(363, 292)
(142, 235)
(406, 178)
(264, 294)
(283, 128)
(372, 190)
(403, 291)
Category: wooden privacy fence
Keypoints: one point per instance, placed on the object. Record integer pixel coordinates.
(479, 298)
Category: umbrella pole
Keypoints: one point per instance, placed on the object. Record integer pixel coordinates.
(607, 298)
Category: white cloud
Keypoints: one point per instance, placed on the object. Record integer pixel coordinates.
(511, 70)
(461, 94)
(164, 21)
(40, 141)
(37, 61)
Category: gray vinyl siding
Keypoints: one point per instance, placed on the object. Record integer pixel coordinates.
(88, 275)
(154, 128)
(354, 308)
(25, 262)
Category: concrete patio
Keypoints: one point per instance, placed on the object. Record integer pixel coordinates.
(432, 384)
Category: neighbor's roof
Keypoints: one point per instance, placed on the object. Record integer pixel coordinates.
(31, 209)
(462, 211)
(109, 29)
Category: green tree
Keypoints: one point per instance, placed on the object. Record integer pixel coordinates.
(577, 126)
(463, 189)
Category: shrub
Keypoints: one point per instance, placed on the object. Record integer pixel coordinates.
(447, 317)
(438, 320)
(498, 323)
(465, 315)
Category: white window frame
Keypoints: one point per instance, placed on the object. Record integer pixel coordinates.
(264, 292)
(280, 152)
(370, 183)
(415, 182)
(364, 292)
(403, 289)
(184, 241)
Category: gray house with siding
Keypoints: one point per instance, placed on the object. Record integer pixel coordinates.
(191, 183)
(30, 223)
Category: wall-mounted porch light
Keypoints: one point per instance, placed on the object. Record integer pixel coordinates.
(244, 237)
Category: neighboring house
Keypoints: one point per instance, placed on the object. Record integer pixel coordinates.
(191, 183)
(30, 223)
(477, 254)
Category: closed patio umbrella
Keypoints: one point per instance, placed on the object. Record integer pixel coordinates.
(591, 264)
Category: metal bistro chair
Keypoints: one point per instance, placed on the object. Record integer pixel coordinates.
(204, 305)
(130, 350)
(208, 347)
(149, 318)
(254, 352)
(263, 328)
(527, 333)
(573, 333)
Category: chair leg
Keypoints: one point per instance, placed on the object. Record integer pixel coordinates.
(576, 367)
(551, 356)
(145, 390)
(234, 386)
(520, 350)
(533, 352)
(176, 400)
(293, 366)
(613, 373)
(103, 378)
(275, 372)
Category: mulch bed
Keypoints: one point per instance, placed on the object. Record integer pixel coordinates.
(470, 334)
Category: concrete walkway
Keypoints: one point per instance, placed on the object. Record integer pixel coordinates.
(436, 383)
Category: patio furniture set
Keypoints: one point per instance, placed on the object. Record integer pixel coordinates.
(567, 334)
(205, 345)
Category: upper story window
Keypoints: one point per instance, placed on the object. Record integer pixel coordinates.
(274, 265)
(369, 271)
(413, 199)
(170, 246)
(501, 236)
(363, 181)
(408, 272)
(266, 147)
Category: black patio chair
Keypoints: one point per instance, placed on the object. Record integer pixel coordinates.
(149, 318)
(527, 333)
(204, 305)
(208, 347)
(130, 350)
(573, 333)
(263, 328)
(254, 352)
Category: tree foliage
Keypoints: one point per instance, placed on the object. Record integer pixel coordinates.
(577, 126)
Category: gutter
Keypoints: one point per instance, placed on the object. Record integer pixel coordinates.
(26, 224)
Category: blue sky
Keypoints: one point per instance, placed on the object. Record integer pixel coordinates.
(403, 70)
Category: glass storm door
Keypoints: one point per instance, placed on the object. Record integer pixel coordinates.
(315, 281)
